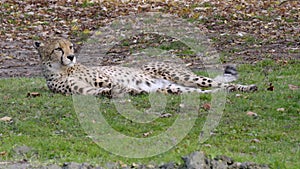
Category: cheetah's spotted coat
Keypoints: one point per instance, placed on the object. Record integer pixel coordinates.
(65, 75)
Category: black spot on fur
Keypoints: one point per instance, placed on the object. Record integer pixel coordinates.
(148, 84)
(138, 82)
(203, 83)
(209, 81)
(176, 78)
(196, 79)
(187, 78)
(75, 87)
(80, 90)
(89, 90)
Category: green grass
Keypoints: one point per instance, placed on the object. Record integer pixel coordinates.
(49, 125)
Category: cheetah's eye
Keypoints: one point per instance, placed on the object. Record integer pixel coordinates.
(71, 47)
(58, 49)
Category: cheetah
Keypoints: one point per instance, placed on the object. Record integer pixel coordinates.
(64, 75)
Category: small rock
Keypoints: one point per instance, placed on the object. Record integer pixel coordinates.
(196, 160)
(218, 164)
(17, 166)
(255, 140)
(167, 166)
(150, 166)
(110, 165)
(73, 165)
(225, 159)
(6, 119)
(134, 165)
(280, 109)
(124, 166)
(52, 166)
(250, 113)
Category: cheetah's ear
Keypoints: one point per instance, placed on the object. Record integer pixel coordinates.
(38, 44)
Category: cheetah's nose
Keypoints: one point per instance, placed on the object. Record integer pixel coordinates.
(71, 57)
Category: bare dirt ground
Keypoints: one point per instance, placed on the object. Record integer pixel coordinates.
(242, 32)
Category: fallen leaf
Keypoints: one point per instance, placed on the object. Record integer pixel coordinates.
(271, 87)
(250, 113)
(3, 153)
(150, 166)
(255, 140)
(6, 97)
(293, 87)
(6, 119)
(134, 165)
(181, 105)
(124, 166)
(238, 95)
(206, 106)
(147, 134)
(33, 94)
(280, 109)
(165, 115)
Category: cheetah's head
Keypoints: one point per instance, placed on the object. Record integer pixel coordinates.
(56, 51)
